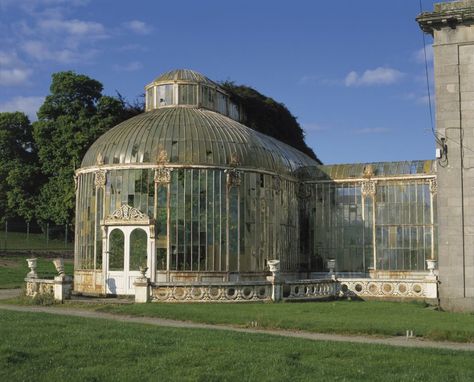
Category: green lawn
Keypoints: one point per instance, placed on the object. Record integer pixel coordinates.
(13, 270)
(16, 241)
(369, 317)
(43, 347)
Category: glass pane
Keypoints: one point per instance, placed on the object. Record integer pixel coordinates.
(187, 94)
(138, 249)
(116, 245)
(164, 95)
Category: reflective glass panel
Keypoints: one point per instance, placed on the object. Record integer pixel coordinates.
(138, 249)
(116, 247)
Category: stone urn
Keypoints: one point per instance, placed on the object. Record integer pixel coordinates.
(274, 266)
(431, 265)
(32, 264)
(143, 269)
(59, 265)
(331, 265)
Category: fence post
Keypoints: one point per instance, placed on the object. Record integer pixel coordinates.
(27, 233)
(65, 237)
(47, 235)
(6, 233)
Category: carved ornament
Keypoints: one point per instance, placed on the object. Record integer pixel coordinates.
(127, 214)
(100, 178)
(234, 160)
(233, 178)
(368, 188)
(162, 157)
(163, 175)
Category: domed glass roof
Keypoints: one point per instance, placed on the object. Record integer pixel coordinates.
(193, 136)
(184, 75)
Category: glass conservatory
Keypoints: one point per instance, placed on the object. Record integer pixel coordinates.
(186, 193)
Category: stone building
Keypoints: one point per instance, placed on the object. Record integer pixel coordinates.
(199, 206)
(451, 25)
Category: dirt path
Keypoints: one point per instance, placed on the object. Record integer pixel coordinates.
(391, 341)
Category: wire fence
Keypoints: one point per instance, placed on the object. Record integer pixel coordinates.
(25, 236)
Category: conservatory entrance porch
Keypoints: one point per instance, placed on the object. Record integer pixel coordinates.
(128, 247)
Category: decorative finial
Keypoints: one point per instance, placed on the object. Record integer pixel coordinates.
(100, 159)
(234, 159)
(369, 171)
(162, 157)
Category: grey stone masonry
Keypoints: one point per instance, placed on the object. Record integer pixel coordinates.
(452, 27)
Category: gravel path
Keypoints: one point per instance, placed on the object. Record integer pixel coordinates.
(9, 293)
(391, 341)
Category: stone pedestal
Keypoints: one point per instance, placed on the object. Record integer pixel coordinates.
(332, 268)
(142, 290)
(274, 266)
(62, 288)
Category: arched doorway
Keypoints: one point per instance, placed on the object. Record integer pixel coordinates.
(129, 245)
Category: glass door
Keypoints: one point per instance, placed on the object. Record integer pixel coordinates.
(128, 251)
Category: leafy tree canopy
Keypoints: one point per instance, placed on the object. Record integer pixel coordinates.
(268, 116)
(18, 167)
(72, 117)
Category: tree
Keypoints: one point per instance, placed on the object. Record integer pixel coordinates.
(18, 167)
(71, 118)
(268, 116)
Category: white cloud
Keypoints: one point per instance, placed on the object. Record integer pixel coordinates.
(373, 130)
(371, 77)
(41, 52)
(139, 27)
(28, 105)
(130, 67)
(31, 6)
(420, 54)
(14, 76)
(89, 29)
(8, 59)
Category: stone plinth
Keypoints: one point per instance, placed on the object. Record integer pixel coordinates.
(142, 290)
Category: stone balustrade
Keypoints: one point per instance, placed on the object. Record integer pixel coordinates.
(309, 289)
(223, 292)
(426, 288)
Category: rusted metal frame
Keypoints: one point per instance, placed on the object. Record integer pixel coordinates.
(375, 178)
(207, 223)
(76, 241)
(432, 193)
(227, 234)
(199, 220)
(214, 221)
(184, 222)
(220, 221)
(132, 166)
(238, 229)
(168, 230)
(192, 216)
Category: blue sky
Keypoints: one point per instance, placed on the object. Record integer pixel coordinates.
(351, 71)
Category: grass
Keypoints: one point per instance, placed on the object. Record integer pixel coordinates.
(345, 317)
(13, 269)
(44, 347)
(34, 241)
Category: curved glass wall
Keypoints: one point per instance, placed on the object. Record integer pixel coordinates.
(206, 220)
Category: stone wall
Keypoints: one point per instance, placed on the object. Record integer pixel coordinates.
(453, 32)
